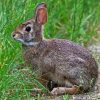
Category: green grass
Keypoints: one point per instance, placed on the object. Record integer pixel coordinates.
(76, 20)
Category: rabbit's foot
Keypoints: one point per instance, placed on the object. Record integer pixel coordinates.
(65, 90)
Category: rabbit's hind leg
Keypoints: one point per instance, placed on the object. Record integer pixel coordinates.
(65, 90)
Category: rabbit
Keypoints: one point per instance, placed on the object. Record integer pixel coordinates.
(64, 62)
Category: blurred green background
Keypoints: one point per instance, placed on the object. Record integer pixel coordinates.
(76, 20)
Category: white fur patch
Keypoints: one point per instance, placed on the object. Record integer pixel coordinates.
(28, 43)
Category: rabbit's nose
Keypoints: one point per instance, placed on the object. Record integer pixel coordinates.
(13, 35)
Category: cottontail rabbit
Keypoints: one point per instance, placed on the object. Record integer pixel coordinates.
(69, 65)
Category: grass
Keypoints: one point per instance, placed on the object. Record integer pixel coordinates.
(76, 20)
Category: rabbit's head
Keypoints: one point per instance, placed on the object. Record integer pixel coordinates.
(30, 32)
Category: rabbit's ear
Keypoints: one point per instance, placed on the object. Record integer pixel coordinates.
(41, 14)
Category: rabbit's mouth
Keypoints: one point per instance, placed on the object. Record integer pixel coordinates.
(30, 42)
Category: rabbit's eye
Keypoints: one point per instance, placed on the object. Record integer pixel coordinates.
(28, 29)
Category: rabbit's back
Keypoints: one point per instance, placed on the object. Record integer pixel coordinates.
(61, 50)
